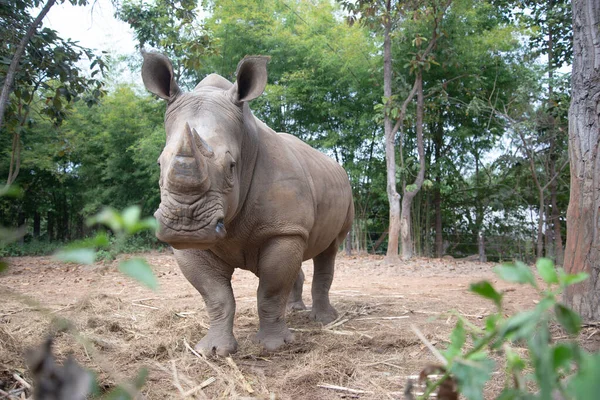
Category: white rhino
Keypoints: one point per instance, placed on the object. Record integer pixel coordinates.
(235, 194)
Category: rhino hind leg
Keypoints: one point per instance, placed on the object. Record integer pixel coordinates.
(279, 266)
(295, 300)
(212, 279)
(322, 310)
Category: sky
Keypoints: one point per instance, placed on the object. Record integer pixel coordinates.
(93, 26)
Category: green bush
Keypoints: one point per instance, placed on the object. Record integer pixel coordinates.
(548, 369)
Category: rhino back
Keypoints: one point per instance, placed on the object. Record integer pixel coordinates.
(306, 190)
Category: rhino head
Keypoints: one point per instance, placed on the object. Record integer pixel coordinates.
(211, 145)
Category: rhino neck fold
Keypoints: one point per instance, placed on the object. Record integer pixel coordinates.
(250, 149)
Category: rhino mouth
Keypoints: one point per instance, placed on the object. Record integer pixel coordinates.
(190, 226)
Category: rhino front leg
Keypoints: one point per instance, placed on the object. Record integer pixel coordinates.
(212, 278)
(278, 269)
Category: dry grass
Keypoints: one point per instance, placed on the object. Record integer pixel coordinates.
(370, 349)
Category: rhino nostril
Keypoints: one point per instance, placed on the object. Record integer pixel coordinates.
(220, 228)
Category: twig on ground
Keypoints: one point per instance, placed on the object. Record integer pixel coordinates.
(199, 387)
(343, 333)
(239, 375)
(176, 382)
(337, 321)
(145, 306)
(343, 389)
(22, 381)
(430, 346)
(384, 318)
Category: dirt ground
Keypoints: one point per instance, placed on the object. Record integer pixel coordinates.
(127, 327)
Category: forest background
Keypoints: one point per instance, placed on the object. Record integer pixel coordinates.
(480, 148)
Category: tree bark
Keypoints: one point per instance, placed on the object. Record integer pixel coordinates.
(390, 145)
(582, 251)
(36, 224)
(408, 195)
(437, 193)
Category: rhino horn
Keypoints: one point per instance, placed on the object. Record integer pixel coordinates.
(188, 172)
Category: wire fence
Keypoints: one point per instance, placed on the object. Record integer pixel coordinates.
(497, 248)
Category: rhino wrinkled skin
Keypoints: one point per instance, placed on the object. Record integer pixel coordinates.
(235, 194)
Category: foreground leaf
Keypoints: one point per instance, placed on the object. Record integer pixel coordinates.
(568, 318)
(517, 272)
(79, 256)
(138, 269)
(472, 375)
(545, 268)
(485, 289)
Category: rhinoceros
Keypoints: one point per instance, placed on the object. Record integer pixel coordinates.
(236, 194)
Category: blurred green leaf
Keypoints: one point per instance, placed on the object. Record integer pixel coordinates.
(110, 218)
(3, 266)
(472, 374)
(79, 256)
(131, 216)
(569, 319)
(485, 289)
(562, 355)
(457, 340)
(138, 269)
(517, 272)
(571, 279)
(545, 268)
(585, 385)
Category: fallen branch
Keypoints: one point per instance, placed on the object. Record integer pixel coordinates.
(430, 346)
(239, 375)
(344, 389)
(384, 318)
(199, 387)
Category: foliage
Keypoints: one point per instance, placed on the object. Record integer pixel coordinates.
(122, 225)
(548, 368)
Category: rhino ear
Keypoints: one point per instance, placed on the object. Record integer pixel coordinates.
(158, 77)
(251, 78)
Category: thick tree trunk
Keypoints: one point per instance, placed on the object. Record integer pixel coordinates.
(481, 247)
(582, 251)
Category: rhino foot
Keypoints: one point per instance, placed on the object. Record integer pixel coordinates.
(217, 344)
(273, 340)
(324, 315)
(295, 305)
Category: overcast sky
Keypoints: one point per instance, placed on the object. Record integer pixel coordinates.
(94, 26)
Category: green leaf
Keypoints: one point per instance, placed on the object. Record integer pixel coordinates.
(485, 289)
(585, 385)
(568, 318)
(457, 340)
(79, 256)
(472, 374)
(571, 279)
(517, 272)
(545, 268)
(519, 326)
(110, 218)
(131, 216)
(562, 355)
(138, 269)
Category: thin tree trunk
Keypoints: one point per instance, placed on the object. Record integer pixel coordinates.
(558, 242)
(481, 246)
(390, 148)
(50, 226)
(582, 251)
(408, 195)
(437, 193)
(36, 225)
(8, 86)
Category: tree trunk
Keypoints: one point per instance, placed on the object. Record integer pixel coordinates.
(7, 88)
(349, 243)
(50, 226)
(437, 193)
(410, 192)
(390, 150)
(36, 225)
(582, 251)
(379, 241)
(481, 246)
(558, 242)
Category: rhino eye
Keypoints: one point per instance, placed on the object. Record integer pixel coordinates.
(231, 166)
